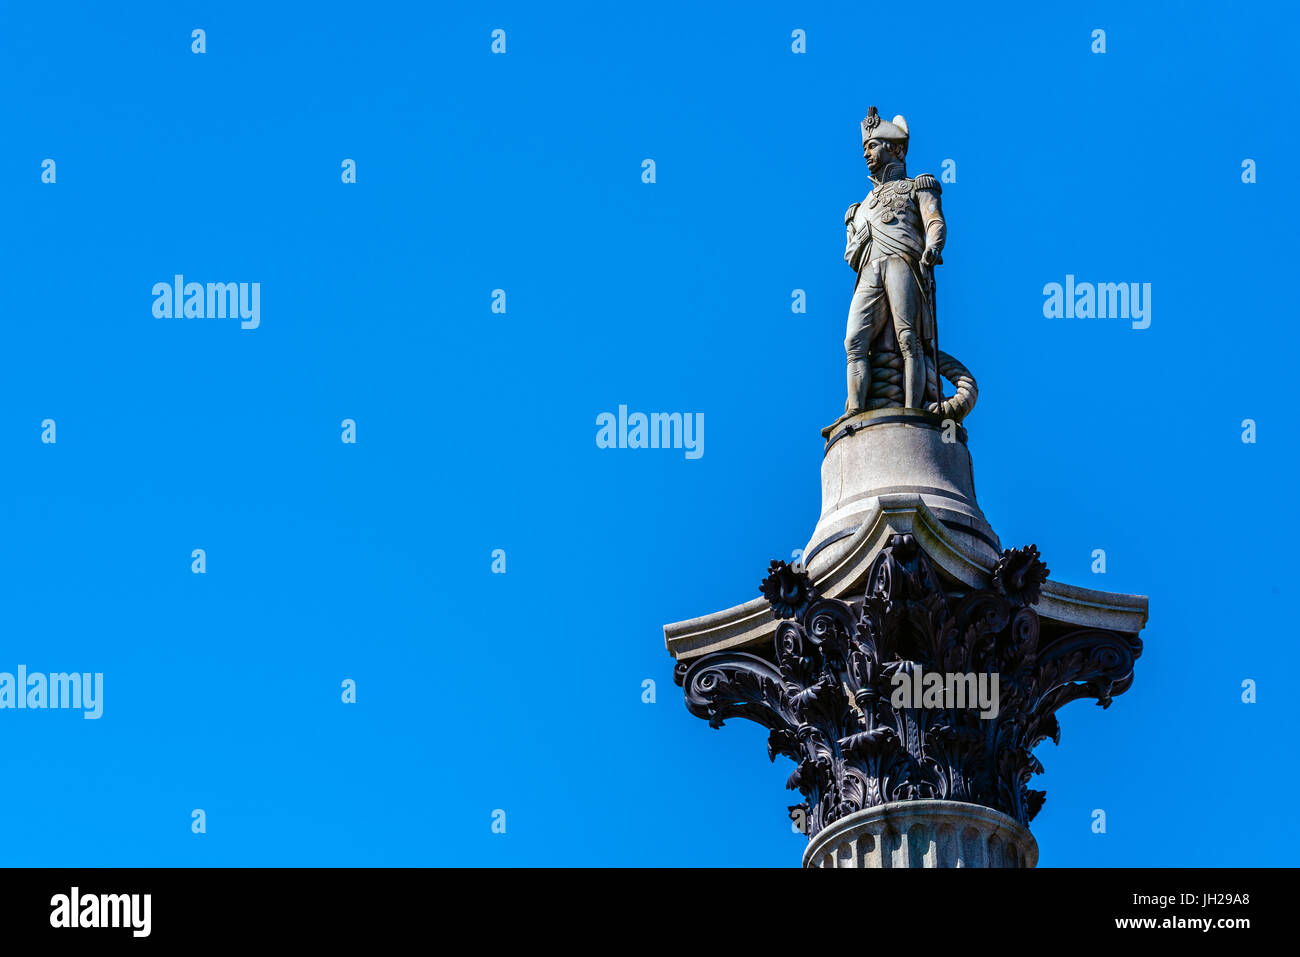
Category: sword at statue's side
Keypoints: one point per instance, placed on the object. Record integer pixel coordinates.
(934, 317)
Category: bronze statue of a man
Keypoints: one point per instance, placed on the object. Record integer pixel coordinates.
(895, 237)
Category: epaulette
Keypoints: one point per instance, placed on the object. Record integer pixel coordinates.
(926, 181)
(848, 217)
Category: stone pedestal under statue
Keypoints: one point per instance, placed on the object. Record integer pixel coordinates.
(893, 452)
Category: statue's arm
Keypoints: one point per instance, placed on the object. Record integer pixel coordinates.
(936, 230)
(854, 244)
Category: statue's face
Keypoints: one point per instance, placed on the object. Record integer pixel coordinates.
(878, 155)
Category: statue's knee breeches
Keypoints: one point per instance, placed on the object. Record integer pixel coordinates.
(904, 305)
(867, 314)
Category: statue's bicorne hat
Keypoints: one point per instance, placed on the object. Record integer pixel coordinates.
(875, 128)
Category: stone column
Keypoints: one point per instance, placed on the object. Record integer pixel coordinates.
(923, 834)
(905, 585)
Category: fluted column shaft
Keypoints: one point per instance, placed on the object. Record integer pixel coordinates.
(923, 834)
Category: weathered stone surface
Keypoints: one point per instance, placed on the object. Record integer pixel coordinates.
(923, 834)
(751, 625)
(894, 451)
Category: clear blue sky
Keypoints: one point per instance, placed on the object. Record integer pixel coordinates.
(476, 430)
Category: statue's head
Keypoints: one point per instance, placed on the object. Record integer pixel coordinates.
(884, 143)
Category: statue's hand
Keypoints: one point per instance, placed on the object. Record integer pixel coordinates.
(931, 257)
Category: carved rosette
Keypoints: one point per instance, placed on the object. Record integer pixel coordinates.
(825, 692)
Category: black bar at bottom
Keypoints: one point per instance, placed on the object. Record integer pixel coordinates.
(601, 907)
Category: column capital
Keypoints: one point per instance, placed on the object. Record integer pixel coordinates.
(911, 692)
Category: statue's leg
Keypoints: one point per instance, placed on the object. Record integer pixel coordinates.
(905, 303)
(865, 312)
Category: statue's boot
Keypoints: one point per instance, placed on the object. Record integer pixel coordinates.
(913, 381)
(859, 384)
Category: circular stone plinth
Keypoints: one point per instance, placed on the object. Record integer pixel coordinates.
(923, 834)
(889, 451)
